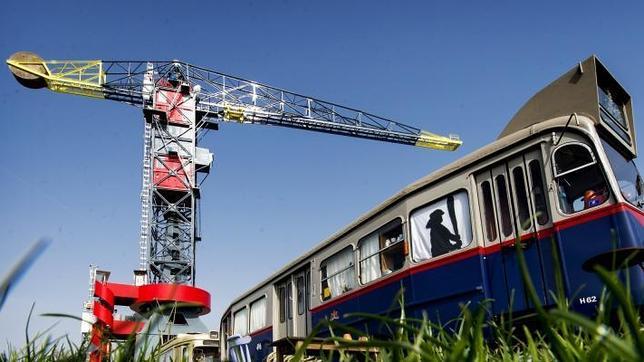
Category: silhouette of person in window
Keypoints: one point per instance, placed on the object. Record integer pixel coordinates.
(440, 236)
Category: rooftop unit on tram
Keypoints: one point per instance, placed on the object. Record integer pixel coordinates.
(588, 89)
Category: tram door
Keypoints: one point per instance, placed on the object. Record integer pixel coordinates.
(301, 287)
(513, 201)
(532, 219)
(293, 304)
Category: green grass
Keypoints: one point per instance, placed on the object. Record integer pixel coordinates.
(615, 334)
(41, 347)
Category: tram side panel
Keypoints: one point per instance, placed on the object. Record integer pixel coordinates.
(440, 289)
(260, 346)
(587, 236)
(439, 276)
(379, 299)
(436, 290)
(582, 239)
(631, 235)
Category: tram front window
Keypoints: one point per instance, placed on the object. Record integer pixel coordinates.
(628, 177)
(580, 182)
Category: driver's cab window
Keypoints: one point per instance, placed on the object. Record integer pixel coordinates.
(580, 182)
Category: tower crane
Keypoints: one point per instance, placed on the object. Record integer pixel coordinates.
(180, 103)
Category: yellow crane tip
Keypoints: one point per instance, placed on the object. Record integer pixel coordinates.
(436, 142)
(26, 67)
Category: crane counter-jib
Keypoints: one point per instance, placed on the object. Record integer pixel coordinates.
(218, 96)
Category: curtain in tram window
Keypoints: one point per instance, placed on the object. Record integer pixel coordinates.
(258, 314)
(341, 264)
(240, 324)
(370, 267)
(420, 233)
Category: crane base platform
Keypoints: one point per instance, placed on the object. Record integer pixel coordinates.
(162, 311)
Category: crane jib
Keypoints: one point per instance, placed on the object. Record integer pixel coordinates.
(218, 96)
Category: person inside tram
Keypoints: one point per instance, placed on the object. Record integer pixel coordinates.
(592, 198)
(440, 236)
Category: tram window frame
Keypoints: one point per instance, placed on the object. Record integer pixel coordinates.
(325, 278)
(504, 205)
(281, 296)
(229, 326)
(540, 199)
(226, 324)
(604, 194)
(390, 255)
(488, 211)
(299, 294)
(609, 102)
(423, 246)
(235, 330)
(289, 300)
(253, 305)
(307, 290)
(522, 197)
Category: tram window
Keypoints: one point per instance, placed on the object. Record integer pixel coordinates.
(504, 206)
(258, 314)
(612, 107)
(488, 211)
(282, 301)
(522, 198)
(628, 177)
(240, 322)
(307, 290)
(224, 326)
(229, 325)
(299, 285)
(441, 226)
(338, 275)
(572, 157)
(580, 182)
(289, 300)
(538, 191)
(204, 354)
(382, 252)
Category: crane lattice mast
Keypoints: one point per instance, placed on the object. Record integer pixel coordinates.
(181, 102)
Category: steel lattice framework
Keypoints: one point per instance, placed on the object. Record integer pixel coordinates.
(180, 102)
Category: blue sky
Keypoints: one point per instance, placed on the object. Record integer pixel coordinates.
(72, 165)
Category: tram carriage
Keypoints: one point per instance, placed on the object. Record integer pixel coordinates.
(560, 178)
(197, 347)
